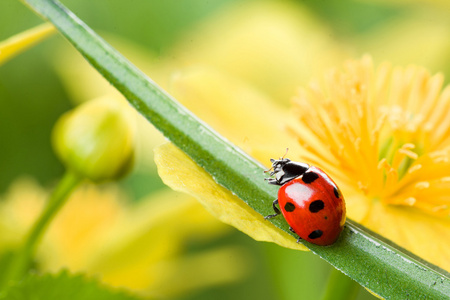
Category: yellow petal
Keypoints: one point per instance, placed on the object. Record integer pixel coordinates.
(182, 174)
(422, 234)
(22, 41)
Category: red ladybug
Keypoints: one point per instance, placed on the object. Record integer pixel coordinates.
(310, 201)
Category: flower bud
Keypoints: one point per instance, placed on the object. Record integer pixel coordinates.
(97, 139)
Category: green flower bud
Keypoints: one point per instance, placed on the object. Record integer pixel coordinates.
(97, 139)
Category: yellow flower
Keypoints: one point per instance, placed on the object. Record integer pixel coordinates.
(384, 135)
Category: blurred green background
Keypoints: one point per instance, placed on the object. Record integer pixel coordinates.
(32, 97)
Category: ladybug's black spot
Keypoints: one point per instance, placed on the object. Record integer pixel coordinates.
(315, 234)
(326, 218)
(336, 192)
(316, 206)
(289, 207)
(309, 177)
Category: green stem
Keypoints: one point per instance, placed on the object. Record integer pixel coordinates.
(340, 286)
(57, 199)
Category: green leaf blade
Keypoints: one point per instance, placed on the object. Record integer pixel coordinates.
(373, 262)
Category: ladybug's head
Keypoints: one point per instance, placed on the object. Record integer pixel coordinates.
(285, 170)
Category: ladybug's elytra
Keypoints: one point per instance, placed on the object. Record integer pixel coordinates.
(309, 200)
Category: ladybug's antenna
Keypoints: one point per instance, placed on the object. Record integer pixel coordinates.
(287, 149)
(266, 171)
(271, 168)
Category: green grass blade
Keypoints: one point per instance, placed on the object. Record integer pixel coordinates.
(382, 267)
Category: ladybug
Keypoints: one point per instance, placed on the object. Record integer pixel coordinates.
(309, 200)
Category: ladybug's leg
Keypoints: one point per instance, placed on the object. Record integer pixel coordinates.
(292, 230)
(273, 181)
(275, 208)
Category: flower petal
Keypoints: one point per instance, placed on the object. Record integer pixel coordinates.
(422, 234)
(182, 174)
